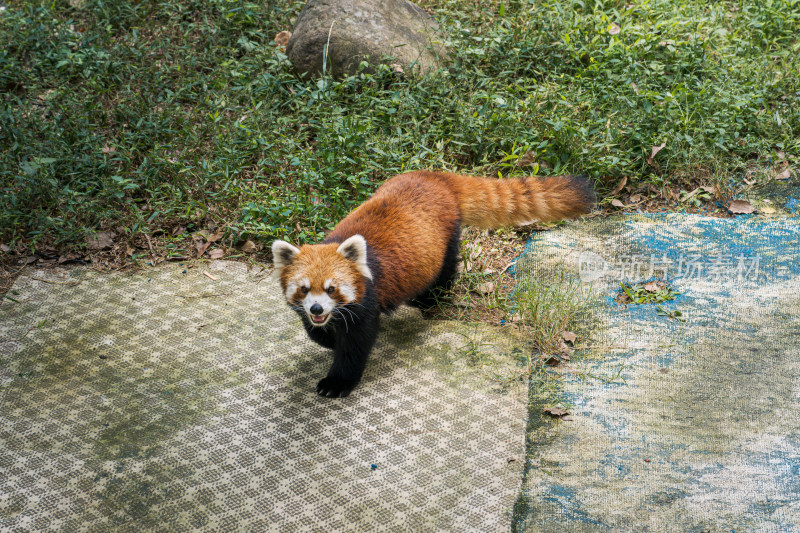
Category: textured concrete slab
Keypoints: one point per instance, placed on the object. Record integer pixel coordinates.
(165, 401)
(675, 426)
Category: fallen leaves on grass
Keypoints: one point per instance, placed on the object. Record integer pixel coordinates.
(654, 286)
(614, 29)
(653, 292)
(617, 203)
(784, 175)
(217, 253)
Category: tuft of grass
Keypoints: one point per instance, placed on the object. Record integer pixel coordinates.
(545, 307)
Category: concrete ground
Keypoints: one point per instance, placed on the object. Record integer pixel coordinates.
(675, 425)
(166, 401)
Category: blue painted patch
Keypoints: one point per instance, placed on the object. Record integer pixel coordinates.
(735, 260)
(570, 508)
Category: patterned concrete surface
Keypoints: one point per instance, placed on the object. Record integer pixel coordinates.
(165, 401)
(674, 426)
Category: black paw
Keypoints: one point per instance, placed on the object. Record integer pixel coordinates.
(333, 387)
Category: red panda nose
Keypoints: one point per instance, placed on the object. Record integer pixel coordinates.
(316, 309)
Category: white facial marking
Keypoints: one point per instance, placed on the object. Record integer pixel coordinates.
(292, 286)
(328, 283)
(348, 291)
(323, 299)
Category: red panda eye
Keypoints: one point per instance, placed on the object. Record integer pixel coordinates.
(330, 290)
(304, 290)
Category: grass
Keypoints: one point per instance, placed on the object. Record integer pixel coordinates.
(547, 307)
(150, 117)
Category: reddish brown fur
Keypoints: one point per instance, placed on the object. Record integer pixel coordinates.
(409, 220)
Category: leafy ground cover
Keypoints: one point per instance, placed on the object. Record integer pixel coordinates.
(151, 121)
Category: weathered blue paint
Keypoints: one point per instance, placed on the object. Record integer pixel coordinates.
(700, 430)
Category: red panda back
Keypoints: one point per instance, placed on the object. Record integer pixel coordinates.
(407, 224)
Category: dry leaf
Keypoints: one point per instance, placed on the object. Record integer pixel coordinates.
(767, 210)
(214, 237)
(653, 152)
(565, 350)
(527, 159)
(740, 207)
(654, 286)
(109, 149)
(72, 256)
(556, 412)
(200, 245)
(780, 155)
(486, 288)
(249, 247)
(129, 250)
(569, 336)
(5, 248)
(635, 198)
(784, 175)
(217, 253)
(104, 239)
(635, 88)
(613, 29)
(282, 39)
(617, 203)
(178, 230)
(619, 186)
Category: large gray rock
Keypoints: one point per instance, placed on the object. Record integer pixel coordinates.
(361, 30)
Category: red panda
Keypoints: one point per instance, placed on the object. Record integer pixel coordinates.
(400, 246)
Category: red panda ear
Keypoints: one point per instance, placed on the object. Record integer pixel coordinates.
(283, 254)
(355, 250)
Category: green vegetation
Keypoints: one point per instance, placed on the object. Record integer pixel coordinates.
(546, 308)
(654, 292)
(151, 115)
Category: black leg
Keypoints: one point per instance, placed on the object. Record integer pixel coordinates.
(350, 354)
(322, 336)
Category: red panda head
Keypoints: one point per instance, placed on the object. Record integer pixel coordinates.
(320, 278)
